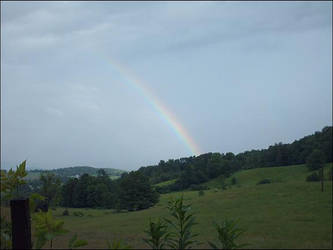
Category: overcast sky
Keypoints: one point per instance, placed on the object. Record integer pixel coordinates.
(236, 75)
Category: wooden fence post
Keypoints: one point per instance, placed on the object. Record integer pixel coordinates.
(21, 224)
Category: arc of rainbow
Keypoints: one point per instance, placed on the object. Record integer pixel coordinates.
(160, 109)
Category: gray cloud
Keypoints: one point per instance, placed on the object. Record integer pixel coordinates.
(238, 75)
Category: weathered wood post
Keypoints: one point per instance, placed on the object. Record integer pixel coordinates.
(21, 224)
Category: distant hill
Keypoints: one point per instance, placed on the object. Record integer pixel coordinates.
(75, 171)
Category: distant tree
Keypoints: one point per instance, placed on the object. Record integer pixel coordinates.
(315, 160)
(81, 190)
(101, 172)
(135, 192)
(67, 192)
(50, 188)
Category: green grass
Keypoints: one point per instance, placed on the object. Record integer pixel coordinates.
(165, 183)
(251, 177)
(288, 213)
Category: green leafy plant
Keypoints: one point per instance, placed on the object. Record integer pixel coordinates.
(11, 180)
(74, 242)
(33, 200)
(158, 235)
(228, 233)
(183, 221)
(47, 228)
(117, 244)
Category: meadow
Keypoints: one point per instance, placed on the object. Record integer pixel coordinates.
(287, 213)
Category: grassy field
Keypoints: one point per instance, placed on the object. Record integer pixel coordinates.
(165, 183)
(288, 213)
(251, 177)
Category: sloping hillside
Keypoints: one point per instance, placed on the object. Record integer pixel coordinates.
(250, 177)
(74, 171)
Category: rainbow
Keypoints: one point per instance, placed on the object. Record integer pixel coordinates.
(160, 109)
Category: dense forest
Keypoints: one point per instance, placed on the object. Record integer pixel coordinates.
(136, 190)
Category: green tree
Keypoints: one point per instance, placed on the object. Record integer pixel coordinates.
(50, 188)
(136, 192)
(315, 160)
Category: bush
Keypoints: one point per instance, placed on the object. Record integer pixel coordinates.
(313, 177)
(233, 181)
(201, 193)
(65, 212)
(264, 181)
(315, 160)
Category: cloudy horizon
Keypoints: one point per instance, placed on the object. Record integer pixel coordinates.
(232, 76)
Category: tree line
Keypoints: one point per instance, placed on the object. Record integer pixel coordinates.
(132, 191)
(192, 171)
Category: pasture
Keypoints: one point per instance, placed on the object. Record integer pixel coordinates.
(287, 213)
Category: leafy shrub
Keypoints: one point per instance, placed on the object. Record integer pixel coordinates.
(264, 181)
(313, 177)
(183, 221)
(47, 228)
(157, 234)
(201, 193)
(228, 233)
(65, 212)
